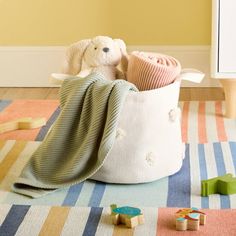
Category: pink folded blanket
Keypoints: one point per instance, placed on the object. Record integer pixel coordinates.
(152, 70)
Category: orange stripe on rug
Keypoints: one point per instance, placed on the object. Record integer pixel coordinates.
(26, 108)
(202, 136)
(10, 158)
(55, 221)
(166, 222)
(184, 124)
(220, 126)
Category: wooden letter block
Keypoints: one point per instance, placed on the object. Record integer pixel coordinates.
(22, 123)
(224, 184)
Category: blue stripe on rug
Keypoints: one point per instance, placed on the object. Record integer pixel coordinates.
(73, 195)
(151, 194)
(93, 221)
(97, 194)
(179, 185)
(233, 153)
(44, 130)
(221, 170)
(4, 104)
(13, 220)
(203, 172)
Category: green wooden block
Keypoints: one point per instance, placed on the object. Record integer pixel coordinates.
(227, 186)
(213, 186)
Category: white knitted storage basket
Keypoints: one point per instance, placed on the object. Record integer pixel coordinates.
(148, 144)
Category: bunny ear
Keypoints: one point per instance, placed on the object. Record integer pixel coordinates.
(74, 55)
(124, 58)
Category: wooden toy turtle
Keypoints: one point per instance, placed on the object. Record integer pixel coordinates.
(129, 216)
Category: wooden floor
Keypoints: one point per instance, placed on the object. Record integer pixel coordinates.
(186, 94)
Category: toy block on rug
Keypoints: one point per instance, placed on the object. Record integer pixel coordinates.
(129, 216)
(189, 219)
(22, 123)
(225, 184)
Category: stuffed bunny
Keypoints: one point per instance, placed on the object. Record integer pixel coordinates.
(100, 54)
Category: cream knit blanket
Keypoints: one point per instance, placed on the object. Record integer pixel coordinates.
(80, 139)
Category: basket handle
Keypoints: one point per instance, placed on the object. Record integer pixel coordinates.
(192, 75)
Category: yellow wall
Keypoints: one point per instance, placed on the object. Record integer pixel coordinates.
(138, 22)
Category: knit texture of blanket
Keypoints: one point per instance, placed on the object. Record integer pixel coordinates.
(152, 70)
(81, 138)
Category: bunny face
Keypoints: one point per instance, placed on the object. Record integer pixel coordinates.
(96, 52)
(102, 51)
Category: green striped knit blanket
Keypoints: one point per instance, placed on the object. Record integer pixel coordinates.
(81, 138)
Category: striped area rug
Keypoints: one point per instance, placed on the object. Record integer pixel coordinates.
(22, 220)
(11, 110)
(83, 209)
(202, 161)
(202, 122)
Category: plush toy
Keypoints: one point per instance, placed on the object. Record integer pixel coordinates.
(100, 54)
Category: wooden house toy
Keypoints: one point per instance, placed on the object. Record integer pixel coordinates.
(129, 216)
(189, 219)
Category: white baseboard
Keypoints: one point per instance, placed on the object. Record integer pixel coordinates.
(32, 66)
(29, 66)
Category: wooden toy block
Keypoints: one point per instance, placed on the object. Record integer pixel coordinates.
(22, 123)
(227, 186)
(224, 184)
(189, 219)
(129, 216)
